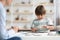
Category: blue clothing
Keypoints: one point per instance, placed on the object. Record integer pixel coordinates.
(14, 38)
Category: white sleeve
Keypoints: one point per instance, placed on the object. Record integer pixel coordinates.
(3, 31)
(11, 33)
(50, 22)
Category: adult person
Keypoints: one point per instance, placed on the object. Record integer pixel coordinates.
(3, 31)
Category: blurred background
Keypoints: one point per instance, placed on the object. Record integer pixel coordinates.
(21, 13)
(58, 12)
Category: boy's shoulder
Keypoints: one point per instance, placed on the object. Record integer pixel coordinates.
(46, 19)
(35, 20)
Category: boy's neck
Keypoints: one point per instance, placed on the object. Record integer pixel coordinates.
(40, 18)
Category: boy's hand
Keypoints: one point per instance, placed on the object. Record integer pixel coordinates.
(45, 27)
(49, 27)
(34, 29)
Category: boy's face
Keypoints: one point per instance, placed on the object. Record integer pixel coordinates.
(40, 16)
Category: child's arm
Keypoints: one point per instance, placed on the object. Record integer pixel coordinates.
(33, 29)
(50, 24)
(50, 27)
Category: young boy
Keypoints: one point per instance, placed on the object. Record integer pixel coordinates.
(41, 24)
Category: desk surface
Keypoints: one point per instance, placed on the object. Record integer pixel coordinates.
(34, 36)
